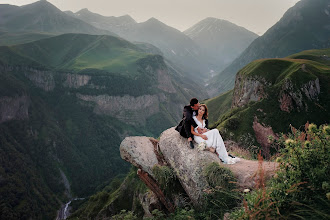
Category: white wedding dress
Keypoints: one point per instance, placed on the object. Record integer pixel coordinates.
(214, 140)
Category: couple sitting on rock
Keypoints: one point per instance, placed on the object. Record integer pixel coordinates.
(194, 126)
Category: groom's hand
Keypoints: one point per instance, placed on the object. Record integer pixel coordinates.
(200, 130)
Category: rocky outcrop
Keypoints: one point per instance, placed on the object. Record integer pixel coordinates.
(14, 108)
(262, 133)
(42, 79)
(248, 89)
(76, 81)
(188, 164)
(139, 151)
(132, 110)
(293, 98)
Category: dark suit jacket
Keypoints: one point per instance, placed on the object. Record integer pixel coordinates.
(184, 127)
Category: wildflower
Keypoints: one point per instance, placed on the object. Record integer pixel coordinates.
(201, 146)
(289, 142)
(307, 144)
(312, 128)
(246, 190)
(325, 186)
(326, 130)
(270, 139)
(279, 159)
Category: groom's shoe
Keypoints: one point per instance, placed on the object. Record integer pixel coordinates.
(231, 156)
(191, 145)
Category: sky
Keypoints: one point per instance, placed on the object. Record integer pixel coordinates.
(255, 15)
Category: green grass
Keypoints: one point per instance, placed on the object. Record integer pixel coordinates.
(237, 123)
(76, 52)
(217, 106)
(7, 38)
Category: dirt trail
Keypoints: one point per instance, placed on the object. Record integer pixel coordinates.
(246, 171)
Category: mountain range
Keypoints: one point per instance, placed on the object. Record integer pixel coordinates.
(220, 40)
(304, 26)
(191, 54)
(66, 103)
(74, 85)
(42, 16)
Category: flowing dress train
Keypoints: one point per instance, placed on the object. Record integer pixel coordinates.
(214, 140)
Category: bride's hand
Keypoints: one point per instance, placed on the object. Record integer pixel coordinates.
(204, 137)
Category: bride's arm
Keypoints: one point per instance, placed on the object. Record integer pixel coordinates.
(197, 134)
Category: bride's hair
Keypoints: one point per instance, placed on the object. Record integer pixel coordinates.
(206, 112)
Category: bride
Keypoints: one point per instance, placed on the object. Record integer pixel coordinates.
(212, 137)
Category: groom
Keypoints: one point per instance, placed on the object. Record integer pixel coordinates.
(184, 127)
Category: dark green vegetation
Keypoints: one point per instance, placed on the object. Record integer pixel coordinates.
(304, 26)
(112, 199)
(301, 188)
(125, 202)
(10, 38)
(66, 103)
(279, 76)
(76, 52)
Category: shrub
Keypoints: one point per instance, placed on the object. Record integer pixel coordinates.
(222, 196)
(300, 186)
(166, 178)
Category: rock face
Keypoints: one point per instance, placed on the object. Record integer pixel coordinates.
(76, 81)
(248, 89)
(41, 79)
(188, 164)
(139, 151)
(12, 108)
(262, 132)
(253, 89)
(291, 98)
(132, 110)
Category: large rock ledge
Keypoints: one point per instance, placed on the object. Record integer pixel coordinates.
(188, 164)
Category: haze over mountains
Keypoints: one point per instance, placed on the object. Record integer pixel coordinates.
(304, 26)
(73, 85)
(220, 40)
(192, 54)
(42, 16)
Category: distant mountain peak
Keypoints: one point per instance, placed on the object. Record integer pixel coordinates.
(84, 10)
(153, 20)
(42, 5)
(127, 18)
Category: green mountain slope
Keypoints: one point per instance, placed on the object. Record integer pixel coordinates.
(9, 38)
(77, 52)
(218, 106)
(304, 26)
(66, 103)
(174, 45)
(277, 93)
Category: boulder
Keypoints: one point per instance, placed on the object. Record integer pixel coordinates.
(139, 151)
(188, 164)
